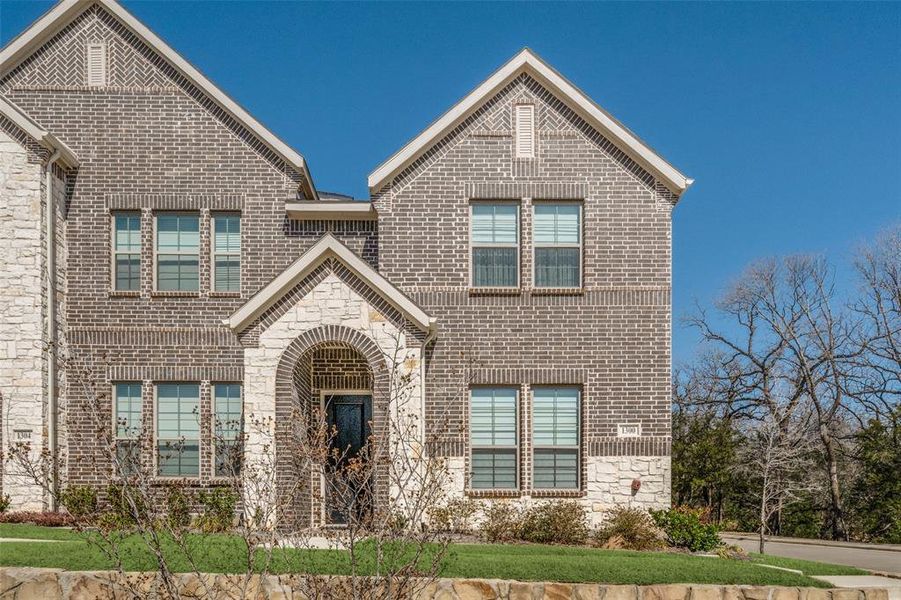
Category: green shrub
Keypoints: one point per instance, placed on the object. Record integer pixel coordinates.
(126, 507)
(4, 503)
(178, 507)
(629, 529)
(80, 501)
(555, 523)
(502, 523)
(456, 516)
(217, 510)
(686, 528)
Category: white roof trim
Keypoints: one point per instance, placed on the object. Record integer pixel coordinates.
(63, 12)
(328, 246)
(527, 61)
(43, 137)
(325, 209)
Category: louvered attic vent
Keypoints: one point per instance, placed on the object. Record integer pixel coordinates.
(525, 131)
(96, 64)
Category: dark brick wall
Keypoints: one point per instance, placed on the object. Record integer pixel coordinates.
(612, 337)
(150, 141)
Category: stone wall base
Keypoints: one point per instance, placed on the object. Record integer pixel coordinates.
(49, 584)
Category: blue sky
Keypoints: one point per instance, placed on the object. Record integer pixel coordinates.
(787, 115)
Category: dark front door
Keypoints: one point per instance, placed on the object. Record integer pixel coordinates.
(348, 485)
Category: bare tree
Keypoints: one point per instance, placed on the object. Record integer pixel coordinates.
(777, 457)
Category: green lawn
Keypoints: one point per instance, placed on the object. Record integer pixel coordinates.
(222, 553)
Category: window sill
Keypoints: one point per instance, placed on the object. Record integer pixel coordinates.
(490, 291)
(549, 291)
(167, 479)
(225, 294)
(493, 493)
(125, 293)
(558, 493)
(173, 294)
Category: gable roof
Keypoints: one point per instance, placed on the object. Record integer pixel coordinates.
(327, 247)
(65, 11)
(528, 62)
(38, 133)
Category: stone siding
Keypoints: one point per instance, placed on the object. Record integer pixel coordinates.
(50, 584)
(22, 310)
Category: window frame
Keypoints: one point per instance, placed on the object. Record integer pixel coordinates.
(580, 245)
(214, 254)
(213, 421)
(156, 433)
(156, 252)
(577, 447)
(115, 415)
(114, 252)
(516, 447)
(517, 245)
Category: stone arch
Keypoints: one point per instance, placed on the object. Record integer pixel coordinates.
(295, 493)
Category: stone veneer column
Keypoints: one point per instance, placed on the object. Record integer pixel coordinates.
(21, 316)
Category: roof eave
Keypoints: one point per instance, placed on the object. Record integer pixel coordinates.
(38, 133)
(327, 246)
(527, 61)
(58, 17)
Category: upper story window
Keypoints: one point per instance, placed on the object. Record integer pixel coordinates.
(127, 252)
(226, 253)
(127, 419)
(494, 243)
(227, 428)
(177, 252)
(555, 438)
(493, 438)
(557, 233)
(178, 429)
(525, 130)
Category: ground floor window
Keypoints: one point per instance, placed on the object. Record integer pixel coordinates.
(227, 428)
(493, 436)
(127, 427)
(555, 438)
(178, 429)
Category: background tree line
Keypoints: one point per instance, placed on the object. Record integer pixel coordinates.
(788, 421)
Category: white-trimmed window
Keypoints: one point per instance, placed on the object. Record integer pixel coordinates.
(525, 130)
(96, 64)
(227, 428)
(493, 438)
(177, 252)
(494, 244)
(226, 253)
(127, 421)
(557, 239)
(127, 252)
(555, 438)
(178, 429)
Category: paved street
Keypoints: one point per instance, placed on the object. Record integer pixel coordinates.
(875, 557)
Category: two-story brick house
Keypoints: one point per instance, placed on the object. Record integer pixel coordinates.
(168, 262)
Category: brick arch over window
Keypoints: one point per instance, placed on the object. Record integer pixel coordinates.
(297, 503)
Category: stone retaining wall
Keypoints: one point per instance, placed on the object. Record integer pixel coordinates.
(50, 584)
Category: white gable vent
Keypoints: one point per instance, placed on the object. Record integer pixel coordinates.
(97, 64)
(525, 130)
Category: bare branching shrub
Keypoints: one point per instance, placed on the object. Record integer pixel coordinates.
(626, 528)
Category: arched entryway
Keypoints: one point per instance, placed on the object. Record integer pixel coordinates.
(329, 373)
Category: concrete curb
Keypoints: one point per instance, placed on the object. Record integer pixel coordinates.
(811, 542)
